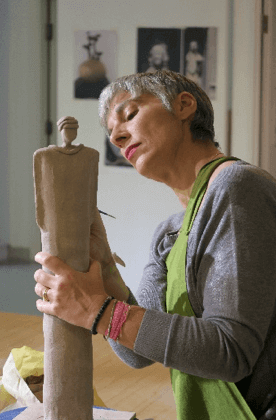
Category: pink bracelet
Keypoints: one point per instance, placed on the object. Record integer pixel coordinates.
(124, 312)
(115, 317)
(119, 318)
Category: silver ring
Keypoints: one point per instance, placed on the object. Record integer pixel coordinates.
(45, 297)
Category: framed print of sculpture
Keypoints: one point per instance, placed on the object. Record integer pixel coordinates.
(158, 49)
(200, 58)
(95, 62)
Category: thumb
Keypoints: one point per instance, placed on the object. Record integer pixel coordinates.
(94, 264)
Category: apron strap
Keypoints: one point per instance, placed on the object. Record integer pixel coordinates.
(199, 190)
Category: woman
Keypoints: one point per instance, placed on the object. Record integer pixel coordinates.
(205, 307)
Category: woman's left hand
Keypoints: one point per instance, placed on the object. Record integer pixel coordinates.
(74, 297)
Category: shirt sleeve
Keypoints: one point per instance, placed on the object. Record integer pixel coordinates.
(151, 293)
(231, 275)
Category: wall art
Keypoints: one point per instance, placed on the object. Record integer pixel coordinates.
(95, 62)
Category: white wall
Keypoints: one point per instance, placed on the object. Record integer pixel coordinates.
(243, 80)
(4, 156)
(24, 125)
(139, 204)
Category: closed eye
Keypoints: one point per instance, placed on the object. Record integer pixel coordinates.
(131, 115)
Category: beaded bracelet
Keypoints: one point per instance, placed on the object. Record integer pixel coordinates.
(106, 337)
(98, 317)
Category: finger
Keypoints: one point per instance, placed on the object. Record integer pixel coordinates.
(45, 279)
(44, 307)
(95, 266)
(54, 264)
(39, 290)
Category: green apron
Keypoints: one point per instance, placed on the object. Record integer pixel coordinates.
(198, 398)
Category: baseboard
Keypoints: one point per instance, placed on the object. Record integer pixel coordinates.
(4, 252)
(14, 255)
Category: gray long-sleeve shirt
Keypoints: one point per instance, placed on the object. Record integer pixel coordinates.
(231, 284)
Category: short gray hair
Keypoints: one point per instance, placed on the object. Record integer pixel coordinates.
(165, 85)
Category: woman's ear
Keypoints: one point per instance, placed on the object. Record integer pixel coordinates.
(185, 105)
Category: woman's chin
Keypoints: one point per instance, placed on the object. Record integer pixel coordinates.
(140, 165)
(145, 169)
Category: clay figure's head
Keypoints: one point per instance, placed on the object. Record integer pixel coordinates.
(193, 46)
(68, 126)
(158, 55)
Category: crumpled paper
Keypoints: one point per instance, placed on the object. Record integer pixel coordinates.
(21, 364)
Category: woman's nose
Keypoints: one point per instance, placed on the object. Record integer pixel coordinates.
(119, 136)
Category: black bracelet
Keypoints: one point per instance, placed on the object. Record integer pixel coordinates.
(98, 317)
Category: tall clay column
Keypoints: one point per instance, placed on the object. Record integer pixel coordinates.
(66, 196)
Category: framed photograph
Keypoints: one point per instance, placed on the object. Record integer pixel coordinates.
(95, 62)
(200, 58)
(158, 48)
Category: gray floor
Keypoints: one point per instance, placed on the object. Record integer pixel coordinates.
(17, 285)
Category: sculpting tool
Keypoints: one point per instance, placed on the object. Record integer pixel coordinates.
(107, 214)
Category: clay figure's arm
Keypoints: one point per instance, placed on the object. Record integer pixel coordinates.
(100, 251)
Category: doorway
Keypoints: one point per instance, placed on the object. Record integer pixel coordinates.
(265, 93)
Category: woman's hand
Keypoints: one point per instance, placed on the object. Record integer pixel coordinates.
(74, 297)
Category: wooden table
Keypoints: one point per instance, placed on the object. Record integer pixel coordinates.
(146, 391)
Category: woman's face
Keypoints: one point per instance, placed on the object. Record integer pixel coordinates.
(144, 121)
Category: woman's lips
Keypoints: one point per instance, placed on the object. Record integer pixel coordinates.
(131, 150)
